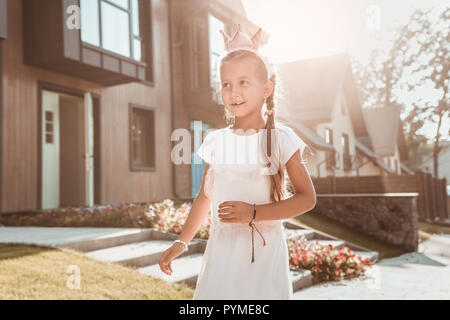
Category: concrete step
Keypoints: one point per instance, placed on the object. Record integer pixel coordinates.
(298, 233)
(337, 244)
(372, 255)
(111, 240)
(301, 278)
(138, 254)
(185, 269)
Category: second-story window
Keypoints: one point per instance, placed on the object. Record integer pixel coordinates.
(112, 25)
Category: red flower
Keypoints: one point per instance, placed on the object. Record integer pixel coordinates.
(160, 222)
(176, 228)
(319, 260)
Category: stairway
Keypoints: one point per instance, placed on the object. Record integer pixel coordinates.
(142, 250)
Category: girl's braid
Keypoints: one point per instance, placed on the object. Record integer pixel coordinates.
(277, 179)
(270, 123)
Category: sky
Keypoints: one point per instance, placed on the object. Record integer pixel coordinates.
(302, 29)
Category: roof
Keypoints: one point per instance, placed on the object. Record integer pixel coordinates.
(309, 89)
(383, 124)
(309, 136)
(372, 156)
(406, 169)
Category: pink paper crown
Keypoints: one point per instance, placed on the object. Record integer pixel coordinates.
(242, 41)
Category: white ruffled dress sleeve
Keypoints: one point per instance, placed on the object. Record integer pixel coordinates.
(206, 149)
(290, 143)
(206, 152)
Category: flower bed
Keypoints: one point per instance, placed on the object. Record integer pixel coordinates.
(325, 262)
(163, 216)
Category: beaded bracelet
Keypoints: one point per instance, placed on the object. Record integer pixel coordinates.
(181, 241)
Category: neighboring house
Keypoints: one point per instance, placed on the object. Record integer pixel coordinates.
(322, 104)
(387, 137)
(443, 162)
(82, 109)
(197, 44)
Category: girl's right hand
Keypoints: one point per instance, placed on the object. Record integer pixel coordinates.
(165, 262)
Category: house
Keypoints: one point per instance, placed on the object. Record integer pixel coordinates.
(86, 113)
(443, 162)
(387, 137)
(320, 101)
(93, 90)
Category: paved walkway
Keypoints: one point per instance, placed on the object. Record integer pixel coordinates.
(58, 236)
(418, 275)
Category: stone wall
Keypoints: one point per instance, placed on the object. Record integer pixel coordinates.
(392, 218)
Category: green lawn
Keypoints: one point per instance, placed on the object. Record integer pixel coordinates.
(39, 272)
(426, 230)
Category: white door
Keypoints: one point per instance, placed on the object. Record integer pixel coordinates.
(50, 150)
(89, 149)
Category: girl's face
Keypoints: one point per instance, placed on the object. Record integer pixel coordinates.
(243, 91)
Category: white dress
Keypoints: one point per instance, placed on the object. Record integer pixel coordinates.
(235, 175)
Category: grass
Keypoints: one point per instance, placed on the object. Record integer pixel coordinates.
(40, 272)
(426, 230)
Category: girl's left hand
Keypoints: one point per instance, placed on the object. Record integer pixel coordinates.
(235, 211)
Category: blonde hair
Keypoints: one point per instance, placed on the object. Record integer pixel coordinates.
(277, 180)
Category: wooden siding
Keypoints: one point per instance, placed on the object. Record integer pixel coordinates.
(21, 150)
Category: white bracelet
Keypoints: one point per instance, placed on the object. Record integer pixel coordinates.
(181, 241)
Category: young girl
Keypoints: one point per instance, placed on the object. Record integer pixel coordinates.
(246, 256)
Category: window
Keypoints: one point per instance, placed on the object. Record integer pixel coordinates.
(49, 127)
(112, 25)
(330, 159)
(216, 48)
(345, 146)
(142, 138)
(3, 21)
(346, 159)
(329, 136)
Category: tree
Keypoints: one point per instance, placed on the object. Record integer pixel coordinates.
(429, 59)
(418, 55)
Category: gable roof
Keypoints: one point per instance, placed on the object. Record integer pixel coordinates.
(385, 130)
(310, 88)
(309, 136)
